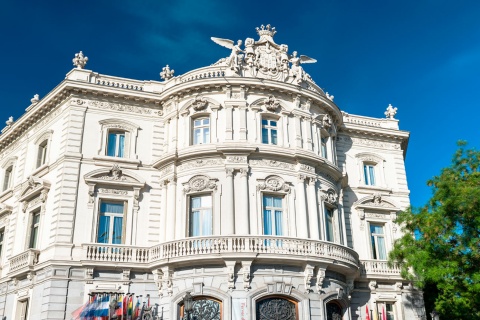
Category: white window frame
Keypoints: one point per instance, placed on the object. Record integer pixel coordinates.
(118, 134)
(10, 163)
(272, 214)
(369, 171)
(117, 125)
(190, 212)
(381, 304)
(31, 226)
(22, 309)
(269, 128)
(42, 150)
(334, 231)
(112, 216)
(377, 163)
(374, 252)
(202, 128)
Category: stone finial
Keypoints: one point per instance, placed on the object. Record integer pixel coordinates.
(166, 73)
(80, 60)
(9, 122)
(391, 112)
(35, 99)
(329, 96)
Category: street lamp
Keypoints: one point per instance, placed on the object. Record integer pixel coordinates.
(187, 305)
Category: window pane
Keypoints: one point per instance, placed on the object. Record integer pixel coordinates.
(197, 123)
(206, 121)
(206, 135)
(112, 144)
(117, 230)
(121, 145)
(273, 123)
(196, 136)
(6, 179)
(278, 223)
(207, 222)
(195, 224)
(382, 252)
(329, 224)
(264, 135)
(267, 201)
(277, 202)
(206, 201)
(274, 136)
(103, 229)
(264, 122)
(377, 229)
(111, 207)
(372, 175)
(267, 222)
(196, 202)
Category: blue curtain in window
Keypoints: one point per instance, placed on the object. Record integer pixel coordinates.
(207, 222)
(278, 223)
(111, 207)
(371, 173)
(274, 136)
(121, 145)
(103, 228)
(117, 230)
(267, 222)
(112, 144)
(265, 135)
(382, 251)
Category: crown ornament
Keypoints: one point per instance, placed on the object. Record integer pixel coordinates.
(266, 31)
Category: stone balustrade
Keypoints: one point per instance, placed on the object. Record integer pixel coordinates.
(203, 73)
(119, 83)
(378, 268)
(23, 261)
(221, 245)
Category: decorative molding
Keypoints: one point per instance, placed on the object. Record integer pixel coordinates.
(200, 103)
(89, 275)
(308, 276)
(306, 167)
(271, 103)
(126, 277)
(373, 285)
(113, 191)
(272, 163)
(199, 164)
(200, 183)
(115, 174)
(330, 196)
(123, 107)
(320, 279)
(273, 183)
(237, 159)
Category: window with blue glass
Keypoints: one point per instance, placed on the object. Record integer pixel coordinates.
(42, 153)
(377, 238)
(269, 131)
(324, 147)
(329, 235)
(369, 174)
(116, 144)
(272, 215)
(201, 131)
(111, 222)
(201, 216)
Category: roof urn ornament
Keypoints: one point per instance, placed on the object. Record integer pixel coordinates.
(391, 112)
(35, 99)
(167, 73)
(80, 60)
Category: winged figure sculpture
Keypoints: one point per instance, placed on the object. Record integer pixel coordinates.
(233, 60)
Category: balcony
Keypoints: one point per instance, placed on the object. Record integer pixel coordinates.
(23, 262)
(379, 269)
(214, 248)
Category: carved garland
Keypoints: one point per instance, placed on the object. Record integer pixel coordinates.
(200, 183)
(273, 183)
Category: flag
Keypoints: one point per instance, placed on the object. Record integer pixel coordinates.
(137, 308)
(125, 306)
(148, 301)
(130, 307)
(375, 313)
(384, 314)
(101, 311)
(77, 314)
(119, 308)
(367, 317)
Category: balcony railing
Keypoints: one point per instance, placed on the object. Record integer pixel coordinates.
(378, 268)
(23, 261)
(202, 246)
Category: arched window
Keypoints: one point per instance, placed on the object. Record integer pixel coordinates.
(276, 308)
(334, 311)
(7, 178)
(204, 308)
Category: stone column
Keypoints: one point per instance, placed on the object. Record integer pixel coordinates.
(241, 218)
(171, 209)
(242, 110)
(228, 214)
(308, 130)
(163, 214)
(312, 210)
(302, 225)
(228, 122)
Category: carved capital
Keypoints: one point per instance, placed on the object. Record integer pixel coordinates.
(243, 172)
(229, 172)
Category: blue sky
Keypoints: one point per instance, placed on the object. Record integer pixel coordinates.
(423, 57)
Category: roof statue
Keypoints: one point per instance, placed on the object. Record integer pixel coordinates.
(264, 58)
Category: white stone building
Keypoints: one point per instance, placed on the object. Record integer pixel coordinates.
(241, 182)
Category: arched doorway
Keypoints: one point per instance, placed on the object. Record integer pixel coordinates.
(276, 308)
(204, 308)
(334, 311)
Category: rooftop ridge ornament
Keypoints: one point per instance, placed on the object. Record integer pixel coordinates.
(266, 32)
(35, 99)
(80, 60)
(166, 73)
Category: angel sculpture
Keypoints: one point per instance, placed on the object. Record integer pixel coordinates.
(233, 60)
(296, 70)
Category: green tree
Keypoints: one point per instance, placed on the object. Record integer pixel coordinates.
(440, 248)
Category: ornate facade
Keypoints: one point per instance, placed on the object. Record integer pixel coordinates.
(242, 183)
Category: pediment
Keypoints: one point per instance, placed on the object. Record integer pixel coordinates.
(377, 202)
(33, 187)
(114, 176)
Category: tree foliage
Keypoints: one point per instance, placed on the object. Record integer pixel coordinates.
(441, 241)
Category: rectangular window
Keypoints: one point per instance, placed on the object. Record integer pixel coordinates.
(22, 310)
(116, 144)
(324, 147)
(369, 174)
(2, 236)
(201, 131)
(42, 153)
(7, 178)
(269, 131)
(34, 229)
(386, 308)
(377, 237)
(110, 222)
(329, 224)
(201, 216)
(272, 215)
